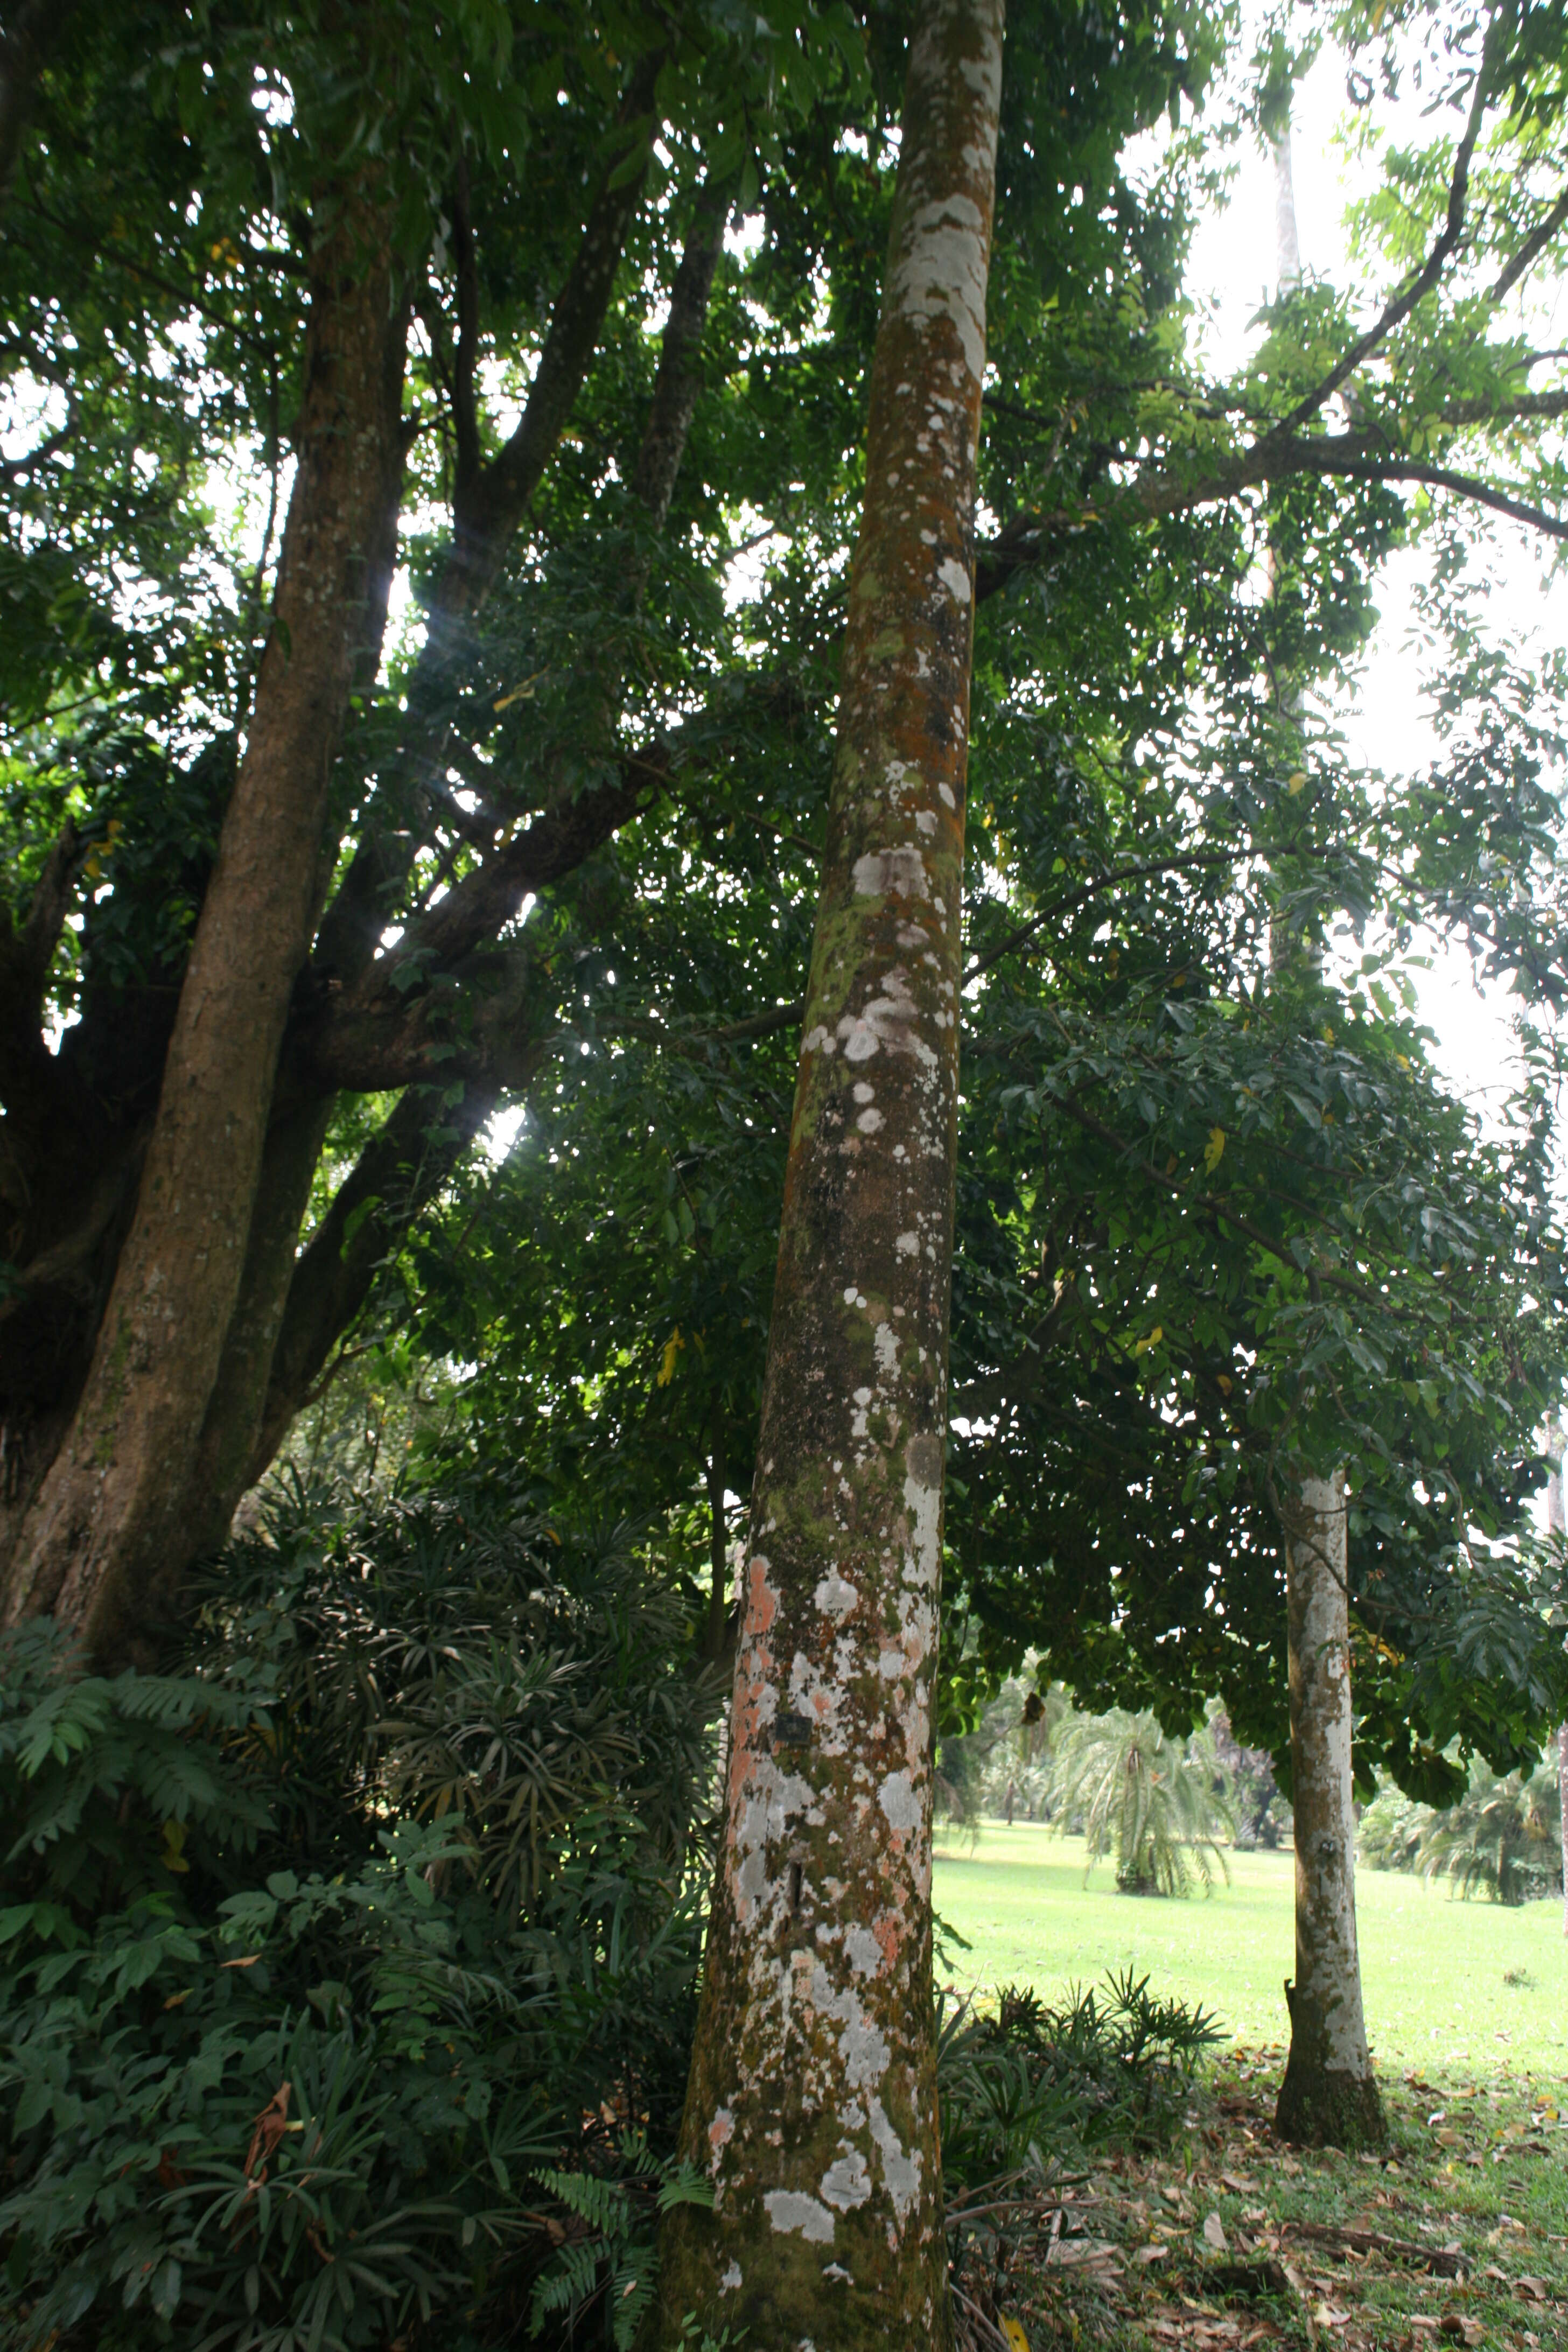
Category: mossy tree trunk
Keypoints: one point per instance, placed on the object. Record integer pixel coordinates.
(1329, 2096)
(812, 2103)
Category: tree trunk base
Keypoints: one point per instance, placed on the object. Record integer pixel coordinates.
(1321, 2106)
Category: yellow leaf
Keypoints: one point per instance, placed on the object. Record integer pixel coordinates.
(1013, 2329)
(1213, 1148)
(1224, 1382)
(1402, 1062)
(1140, 1347)
(672, 1348)
(1296, 783)
(173, 1842)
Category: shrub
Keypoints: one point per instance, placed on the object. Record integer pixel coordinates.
(1027, 2086)
(348, 1979)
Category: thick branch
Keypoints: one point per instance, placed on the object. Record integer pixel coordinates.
(678, 380)
(396, 1176)
(485, 517)
(1071, 899)
(465, 406)
(396, 1042)
(1362, 455)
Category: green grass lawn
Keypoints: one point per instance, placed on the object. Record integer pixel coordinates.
(1434, 1971)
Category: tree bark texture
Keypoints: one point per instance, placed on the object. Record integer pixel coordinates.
(1554, 1521)
(102, 1522)
(1329, 2097)
(812, 2103)
(277, 1338)
(291, 1308)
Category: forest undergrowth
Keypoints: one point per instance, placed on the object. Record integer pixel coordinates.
(1227, 2238)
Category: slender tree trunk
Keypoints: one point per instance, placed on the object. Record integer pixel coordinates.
(812, 2103)
(1554, 1521)
(97, 1532)
(1329, 2097)
(1330, 2093)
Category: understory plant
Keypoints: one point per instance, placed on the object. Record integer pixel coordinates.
(346, 1969)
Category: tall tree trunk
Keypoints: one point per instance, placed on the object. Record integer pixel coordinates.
(97, 1533)
(1329, 2094)
(292, 1309)
(1329, 2097)
(812, 2101)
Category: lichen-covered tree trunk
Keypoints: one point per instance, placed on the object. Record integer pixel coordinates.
(812, 2103)
(1556, 1522)
(1329, 2096)
(95, 1536)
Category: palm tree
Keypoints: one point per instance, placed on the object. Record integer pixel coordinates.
(1158, 1804)
(1500, 1840)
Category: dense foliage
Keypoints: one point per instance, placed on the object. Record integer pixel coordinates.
(348, 1970)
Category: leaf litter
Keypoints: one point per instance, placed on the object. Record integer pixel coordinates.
(1228, 2240)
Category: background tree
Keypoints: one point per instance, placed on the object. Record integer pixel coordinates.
(1157, 1804)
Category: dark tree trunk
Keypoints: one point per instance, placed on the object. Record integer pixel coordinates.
(812, 2103)
(107, 1515)
(232, 1217)
(1329, 2097)
(31, 30)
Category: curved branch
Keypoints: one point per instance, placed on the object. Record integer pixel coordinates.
(1106, 881)
(1398, 309)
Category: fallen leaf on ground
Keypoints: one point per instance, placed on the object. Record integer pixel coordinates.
(1461, 2330)
(1073, 2252)
(1533, 2287)
(1151, 2254)
(1214, 2234)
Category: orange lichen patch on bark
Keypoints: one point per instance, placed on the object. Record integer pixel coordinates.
(816, 2041)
